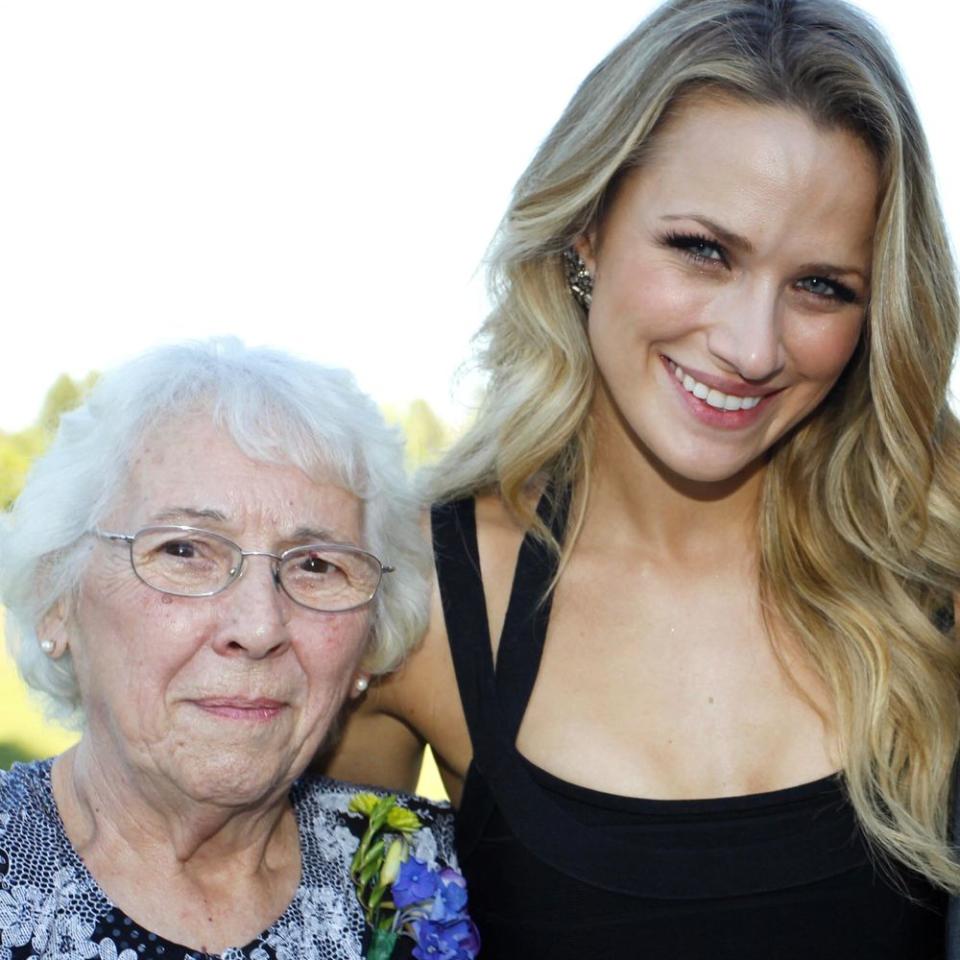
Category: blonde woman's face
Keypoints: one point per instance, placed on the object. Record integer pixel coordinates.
(731, 275)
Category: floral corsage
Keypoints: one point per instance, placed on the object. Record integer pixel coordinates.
(403, 896)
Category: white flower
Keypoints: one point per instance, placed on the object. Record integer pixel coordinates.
(425, 847)
(335, 842)
(66, 938)
(337, 800)
(108, 951)
(20, 910)
(236, 953)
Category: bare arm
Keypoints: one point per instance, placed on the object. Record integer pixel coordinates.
(384, 737)
(377, 747)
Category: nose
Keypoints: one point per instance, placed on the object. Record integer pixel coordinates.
(745, 330)
(255, 613)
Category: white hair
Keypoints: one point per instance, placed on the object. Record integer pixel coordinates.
(278, 409)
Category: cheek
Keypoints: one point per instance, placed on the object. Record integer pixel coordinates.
(821, 349)
(652, 308)
(331, 651)
(130, 642)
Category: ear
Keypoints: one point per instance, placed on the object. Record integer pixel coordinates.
(52, 630)
(586, 246)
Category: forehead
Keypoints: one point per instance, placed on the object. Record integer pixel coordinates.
(764, 166)
(191, 464)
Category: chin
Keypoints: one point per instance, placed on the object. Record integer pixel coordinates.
(231, 778)
(699, 466)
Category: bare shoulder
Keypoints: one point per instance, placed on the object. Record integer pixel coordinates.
(384, 735)
(419, 704)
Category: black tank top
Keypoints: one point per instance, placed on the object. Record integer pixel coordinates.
(559, 871)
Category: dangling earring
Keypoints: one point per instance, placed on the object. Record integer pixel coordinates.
(578, 278)
(361, 684)
(47, 646)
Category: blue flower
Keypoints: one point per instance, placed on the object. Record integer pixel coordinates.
(450, 902)
(415, 883)
(445, 941)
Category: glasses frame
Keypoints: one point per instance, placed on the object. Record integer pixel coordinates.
(237, 572)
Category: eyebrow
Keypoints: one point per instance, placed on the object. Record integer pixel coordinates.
(316, 534)
(173, 514)
(732, 239)
(303, 534)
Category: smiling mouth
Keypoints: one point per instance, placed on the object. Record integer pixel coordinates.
(241, 709)
(726, 402)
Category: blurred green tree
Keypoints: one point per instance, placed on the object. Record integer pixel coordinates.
(11, 753)
(18, 450)
(426, 433)
(65, 394)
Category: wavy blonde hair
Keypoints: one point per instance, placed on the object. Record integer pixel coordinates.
(859, 524)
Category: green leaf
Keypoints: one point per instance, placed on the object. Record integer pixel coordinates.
(377, 896)
(369, 872)
(379, 815)
(374, 855)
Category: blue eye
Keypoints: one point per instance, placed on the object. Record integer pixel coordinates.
(828, 289)
(697, 247)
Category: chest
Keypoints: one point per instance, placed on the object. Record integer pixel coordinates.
(671, 686)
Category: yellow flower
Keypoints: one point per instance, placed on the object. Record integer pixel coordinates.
(364, 803)
(406, 821)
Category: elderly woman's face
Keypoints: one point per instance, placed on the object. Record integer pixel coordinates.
(227, 697)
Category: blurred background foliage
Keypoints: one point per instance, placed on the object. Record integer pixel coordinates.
(24, 732)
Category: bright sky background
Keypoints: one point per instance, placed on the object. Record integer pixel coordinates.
(319, 176)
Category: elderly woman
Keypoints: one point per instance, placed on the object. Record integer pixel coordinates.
(196, 574)
(688, 674)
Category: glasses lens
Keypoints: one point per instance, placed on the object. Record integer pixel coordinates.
(330, 578)
(189, 563)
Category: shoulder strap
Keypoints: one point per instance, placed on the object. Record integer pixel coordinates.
(494, 695)
(953, 910)
(457, 560)
(528, 615)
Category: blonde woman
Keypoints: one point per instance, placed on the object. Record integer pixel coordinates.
(691, 676)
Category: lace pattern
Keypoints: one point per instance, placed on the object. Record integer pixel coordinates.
(52, 909)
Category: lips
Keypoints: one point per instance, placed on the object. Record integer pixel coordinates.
(241, 708)
(718, 392)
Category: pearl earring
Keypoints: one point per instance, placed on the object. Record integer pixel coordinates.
(361, 684)
(47, 646)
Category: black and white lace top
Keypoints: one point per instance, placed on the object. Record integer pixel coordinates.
(51, 908)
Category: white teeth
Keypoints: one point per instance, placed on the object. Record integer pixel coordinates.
(715, 398)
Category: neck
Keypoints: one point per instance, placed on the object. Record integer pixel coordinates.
(110, 811)
(636, 498)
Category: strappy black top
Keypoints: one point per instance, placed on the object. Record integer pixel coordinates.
(559, 871)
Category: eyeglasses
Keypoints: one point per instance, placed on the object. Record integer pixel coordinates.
(189, 562)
